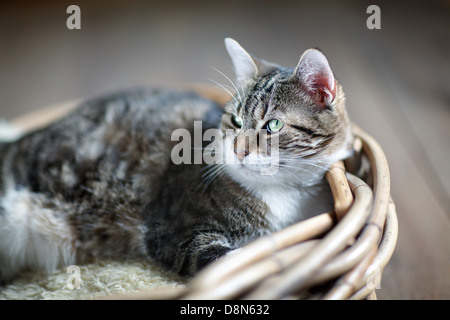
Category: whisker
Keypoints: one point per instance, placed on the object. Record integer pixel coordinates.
(204, 178)
(223, 87)
(296, 164)
(239, 79)
(216, 176)
(300, 168)
(207, 167)
(298, 160)
(232, 83)
(286, 170)
(213, 172)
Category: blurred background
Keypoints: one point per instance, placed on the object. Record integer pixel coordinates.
(397, 81)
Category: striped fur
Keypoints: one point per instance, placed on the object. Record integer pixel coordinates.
(101, 183)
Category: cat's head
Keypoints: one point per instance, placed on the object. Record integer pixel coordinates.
(284, 125)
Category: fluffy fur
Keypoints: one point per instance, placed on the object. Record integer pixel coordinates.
(99, 279)
(102, 182)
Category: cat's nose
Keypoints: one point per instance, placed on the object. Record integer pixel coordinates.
(241, 154)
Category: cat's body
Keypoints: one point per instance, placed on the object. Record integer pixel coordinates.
(102, 183)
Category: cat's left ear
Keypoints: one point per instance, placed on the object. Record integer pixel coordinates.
(246, 66)
(317, 78)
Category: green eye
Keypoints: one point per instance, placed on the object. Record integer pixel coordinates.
(237, 121)
(275, 125)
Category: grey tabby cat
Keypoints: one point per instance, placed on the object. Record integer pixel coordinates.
(101, 182)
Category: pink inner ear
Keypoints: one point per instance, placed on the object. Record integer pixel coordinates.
(324, 87)
(317, 77)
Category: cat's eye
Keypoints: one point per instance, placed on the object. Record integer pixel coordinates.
(237, 121)
(274, 125)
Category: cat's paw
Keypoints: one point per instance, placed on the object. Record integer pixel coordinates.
(211, 254)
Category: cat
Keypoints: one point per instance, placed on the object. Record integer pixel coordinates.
(101, 182)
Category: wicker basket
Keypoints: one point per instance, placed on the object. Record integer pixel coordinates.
(336, 255)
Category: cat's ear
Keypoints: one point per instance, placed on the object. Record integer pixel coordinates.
(245, 65)
(317, 78)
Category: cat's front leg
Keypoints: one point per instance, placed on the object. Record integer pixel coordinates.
(201, 250)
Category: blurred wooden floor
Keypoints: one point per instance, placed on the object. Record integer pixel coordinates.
(397, 81)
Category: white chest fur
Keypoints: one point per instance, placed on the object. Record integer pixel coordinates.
(284, 205)
(288, 205)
